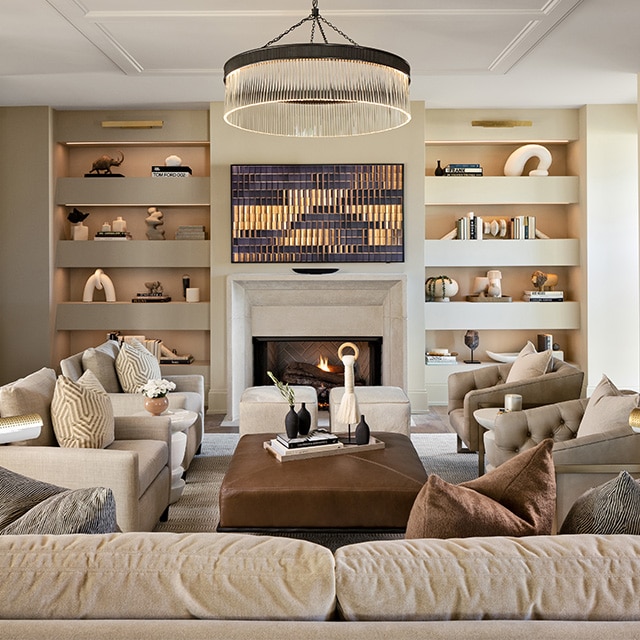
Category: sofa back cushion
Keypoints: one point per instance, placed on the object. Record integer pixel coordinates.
(82, 414)
(31, 394)
(135, 366)
(101, 360)
(166, 575)
(608, 408)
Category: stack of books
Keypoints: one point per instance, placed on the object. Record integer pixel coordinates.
(316, 440)
(543, 296)
(161, 171)
(190, 232)
(463, 169)
(439, 358)
(523, 228)
(112, 235)
(151, 297)
(470, 227)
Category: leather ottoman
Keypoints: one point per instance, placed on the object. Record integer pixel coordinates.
(367, 490)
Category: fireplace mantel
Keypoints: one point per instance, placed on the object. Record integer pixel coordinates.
(260, 305)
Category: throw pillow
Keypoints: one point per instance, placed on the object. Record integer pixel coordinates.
(518, 498)
(31, 394)
(529, 364)
(135, 366)
(19, 493)
(608, 408)
(102, 362)
(611, 508)
(91, 510)
(82, 414)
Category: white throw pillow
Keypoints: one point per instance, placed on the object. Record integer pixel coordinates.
(81, 413)
(529, 364)
(608, 408)
(136, 365)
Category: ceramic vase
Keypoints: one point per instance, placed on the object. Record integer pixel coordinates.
(439, 170)
(304, 420)
(156, 406)
(362, 431)
(291, 423)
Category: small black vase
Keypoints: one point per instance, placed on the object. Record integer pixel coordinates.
(362, 432)
(291, 423)
(439, 170)
(304, 420)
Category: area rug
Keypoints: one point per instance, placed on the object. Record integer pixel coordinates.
(197, 509)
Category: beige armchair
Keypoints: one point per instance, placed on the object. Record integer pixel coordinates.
(487, 386)
(136, 466)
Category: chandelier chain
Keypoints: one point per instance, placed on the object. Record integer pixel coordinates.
(316, 19)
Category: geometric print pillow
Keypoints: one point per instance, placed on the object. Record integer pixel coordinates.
(135, 366)
(81, 413)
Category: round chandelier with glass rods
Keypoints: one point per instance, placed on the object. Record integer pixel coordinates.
(316, 89)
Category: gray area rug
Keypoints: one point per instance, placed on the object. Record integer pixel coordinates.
(197, 509)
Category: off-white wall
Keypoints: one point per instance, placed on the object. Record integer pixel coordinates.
(610, 212)
(25, 240)
(232, 146)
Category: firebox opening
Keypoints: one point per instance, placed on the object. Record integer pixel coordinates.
(314, 362)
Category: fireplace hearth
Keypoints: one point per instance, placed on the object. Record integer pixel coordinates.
(314, 362)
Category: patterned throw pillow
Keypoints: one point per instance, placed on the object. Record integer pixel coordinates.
(518, 498)
(611, 508)
(81, 413)
(135, 366)
(529, 364)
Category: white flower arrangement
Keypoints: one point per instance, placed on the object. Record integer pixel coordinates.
(157, 388)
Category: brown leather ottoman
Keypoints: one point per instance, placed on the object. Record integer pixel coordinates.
(366, 490)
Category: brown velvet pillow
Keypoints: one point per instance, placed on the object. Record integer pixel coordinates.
(518, 498)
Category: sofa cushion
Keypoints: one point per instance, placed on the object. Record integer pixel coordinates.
(101, 360)
(88, 510)
(515, 499)
(529, 364)
(608, 408)
(135, 366)
(611, 508)
(81, 413)
(31, 394)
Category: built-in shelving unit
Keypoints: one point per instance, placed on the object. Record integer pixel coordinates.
(553, 200)
(131, 263)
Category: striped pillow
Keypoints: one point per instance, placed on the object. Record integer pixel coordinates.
(135, 366)
(81, 413)
(611, 508)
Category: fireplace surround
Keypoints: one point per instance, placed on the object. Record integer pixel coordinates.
(330, 306)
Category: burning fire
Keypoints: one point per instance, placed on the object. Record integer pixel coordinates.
(323, 364)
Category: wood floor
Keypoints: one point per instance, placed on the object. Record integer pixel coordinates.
(433, 421)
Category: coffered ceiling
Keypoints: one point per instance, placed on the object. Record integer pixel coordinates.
(463, 53)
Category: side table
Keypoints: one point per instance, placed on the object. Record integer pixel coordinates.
(486, 419)
(181, 420)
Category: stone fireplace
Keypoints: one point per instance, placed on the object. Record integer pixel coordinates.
(336, 307)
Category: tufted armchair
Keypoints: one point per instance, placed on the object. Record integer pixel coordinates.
(487, 386)
(581, 462)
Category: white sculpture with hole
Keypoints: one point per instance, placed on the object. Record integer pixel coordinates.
(514, 165)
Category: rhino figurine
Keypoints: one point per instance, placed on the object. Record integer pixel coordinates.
(104, 163)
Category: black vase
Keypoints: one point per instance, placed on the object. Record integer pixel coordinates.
(362, 431)
(291, 423)
(439, 170)
(304, 420)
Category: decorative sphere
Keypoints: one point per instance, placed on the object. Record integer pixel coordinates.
(173, 161)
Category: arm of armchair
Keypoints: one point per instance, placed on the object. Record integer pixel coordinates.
(463, 382)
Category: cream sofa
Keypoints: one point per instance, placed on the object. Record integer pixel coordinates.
(189, 393)
(234, 586)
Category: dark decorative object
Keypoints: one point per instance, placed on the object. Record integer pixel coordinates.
(76, 215)
(472, 340)
(102, 166)
(439, 170)
(303, 213)
(304, 420)
(291, 423)
(362, 432)
(186, 283)
(315, 271)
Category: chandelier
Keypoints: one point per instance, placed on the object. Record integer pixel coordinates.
(316, 89)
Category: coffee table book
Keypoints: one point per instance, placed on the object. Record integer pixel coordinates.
(314, 439)
(282, 454)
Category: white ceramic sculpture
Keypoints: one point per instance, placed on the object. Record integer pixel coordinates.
(516, 161)
(99, 280)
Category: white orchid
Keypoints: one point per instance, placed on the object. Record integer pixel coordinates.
(157, 388)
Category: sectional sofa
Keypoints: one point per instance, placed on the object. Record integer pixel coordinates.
(226, 585)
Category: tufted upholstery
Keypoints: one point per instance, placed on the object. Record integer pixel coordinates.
(487, 386)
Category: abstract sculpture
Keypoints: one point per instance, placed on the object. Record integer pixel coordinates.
(516, 161)
(348, 411)
(99, 280)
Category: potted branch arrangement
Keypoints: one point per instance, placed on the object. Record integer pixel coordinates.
(294, 423)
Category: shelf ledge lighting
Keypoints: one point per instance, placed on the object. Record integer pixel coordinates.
(501, 124)
(132, 124)
(316, 89)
